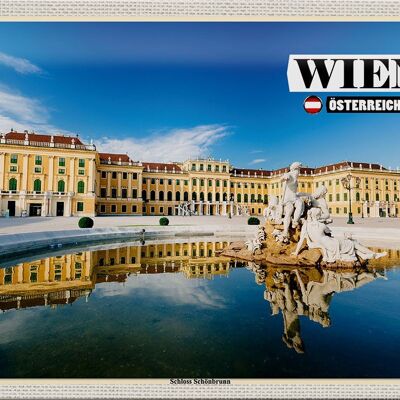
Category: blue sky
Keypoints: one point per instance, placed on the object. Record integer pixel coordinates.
(167, 91)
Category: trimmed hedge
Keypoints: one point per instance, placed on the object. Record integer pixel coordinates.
(164, 221)
(86, 222)
(253, 221)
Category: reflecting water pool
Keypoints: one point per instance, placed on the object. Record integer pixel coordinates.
(178, 310)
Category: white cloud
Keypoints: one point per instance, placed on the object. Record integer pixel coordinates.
(20, 112)
(171, 288)
(258, 161)
(20, 65)
(173, 145)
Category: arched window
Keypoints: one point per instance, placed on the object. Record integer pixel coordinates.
(201, 196)
(225, 197)
(265, 199)
(387, 197)
(144, 195)
(217, 197)
(152, 195)
(239, 198)
(61, 186)
(81, 187)
(12, 184)
(178, 196)
(209, 196)
(161, 195)
(37, 185)
(169, 196)
(194, 196)
(185, 196)
(367, 196)
(377, 197)
(253, 198)
(259, 198)
(357, 196)
(246, 198)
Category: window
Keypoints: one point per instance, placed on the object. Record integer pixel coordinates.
(169, 196)
(337, 197)
(38, 170)
(12, 184)
(81, 187)
(161, 195)
(79, 206)
(178, 196)
(81, 172)
(37, 185)
(123, 208)
(194, 182)
(104, 174)
(345, 196)
(38, 160)
(169, 181)
(33, 273)
(224, 168)
(134, 175)
(178, 182)
(152, 195)
(161, 181)
(377, 197)
(201, 182)
(114, 193)
(209, 167)
(114, 175)
(217, 168)
(337, 210)
(387, 197)
(217, 183)
(61, 171)
(193, 167)
(239, 198)
(225, 184)
(357, 196)
(61, 162)
(103, 192)
(246, 198)
(201, 167)
(367, 196)
(124, 175)
(103, 208)
(134, 193)
(81, 163)
(330, 197)
(345, 210)
(122, 260)
(124, 193)
(14, 159)
(153, 181)
(13, 168)
(113, 208)
(134, 209)
(161, 210)
(61, 186)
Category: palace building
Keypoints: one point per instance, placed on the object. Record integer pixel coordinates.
(55, 175)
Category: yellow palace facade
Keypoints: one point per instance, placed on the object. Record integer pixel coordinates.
(54, 175)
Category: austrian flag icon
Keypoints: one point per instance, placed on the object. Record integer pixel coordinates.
(313, 104)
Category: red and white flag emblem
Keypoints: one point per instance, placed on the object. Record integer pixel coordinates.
(313, 104)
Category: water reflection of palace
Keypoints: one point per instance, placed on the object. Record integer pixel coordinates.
(60, 280)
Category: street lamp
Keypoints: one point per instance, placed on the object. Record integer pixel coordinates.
(349, 185)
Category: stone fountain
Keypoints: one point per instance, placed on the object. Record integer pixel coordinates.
(296, 232)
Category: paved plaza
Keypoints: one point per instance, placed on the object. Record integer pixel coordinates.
(40, 224)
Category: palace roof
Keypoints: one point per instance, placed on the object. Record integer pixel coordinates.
(160, 167)
(36, 137)
(114, 157)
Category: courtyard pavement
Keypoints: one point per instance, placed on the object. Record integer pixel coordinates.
(42, 224)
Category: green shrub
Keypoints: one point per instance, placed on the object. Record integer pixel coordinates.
(164, 221)
(86, 222)
(253, 221)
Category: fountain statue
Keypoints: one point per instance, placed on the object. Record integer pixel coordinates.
(296, 232)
